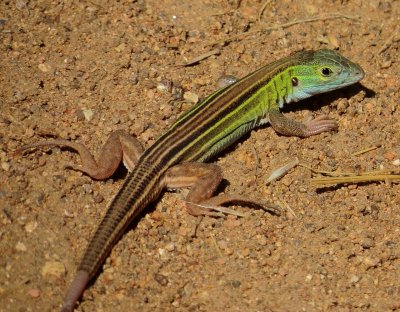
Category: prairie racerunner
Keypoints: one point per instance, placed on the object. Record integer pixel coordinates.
(176, 158)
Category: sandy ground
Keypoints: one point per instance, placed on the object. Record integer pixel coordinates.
(81, 69)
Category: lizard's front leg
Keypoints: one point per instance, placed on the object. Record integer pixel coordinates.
(290, 127)
(204, 180)
(119, 146)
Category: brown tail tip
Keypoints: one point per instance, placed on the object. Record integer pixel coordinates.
(75, 291)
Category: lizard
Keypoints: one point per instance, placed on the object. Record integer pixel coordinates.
(177, 158)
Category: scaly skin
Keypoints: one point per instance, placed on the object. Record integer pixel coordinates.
(202, 132)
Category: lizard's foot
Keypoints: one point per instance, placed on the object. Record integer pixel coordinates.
(214, 206)
(319, 124)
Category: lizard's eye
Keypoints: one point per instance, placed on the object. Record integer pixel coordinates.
(326, 71)
(295, 82)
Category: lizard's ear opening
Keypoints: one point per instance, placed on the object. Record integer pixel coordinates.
(295, 81)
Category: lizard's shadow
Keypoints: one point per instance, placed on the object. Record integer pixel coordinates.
(315, 102)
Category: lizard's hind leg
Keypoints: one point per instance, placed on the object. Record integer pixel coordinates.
(120, 146)
(203, 180)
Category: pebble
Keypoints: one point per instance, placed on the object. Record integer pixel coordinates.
(231, 223)
(98, 198)
(20, 246)
(88, 113)
(134, 78)
(34, 292)
(163, 254)
(31, 226)
(164, 86)
(45, 68)
(87, 188)
(371, 262)
(116, 119)
(170, 247)
(396, 162)
(236, 283)
(54, 268)
(161, 279)
(386, 64)
(262, 240)
(191, 97)
(354, 279)
(79, 115)
(5, 166)
(390, 155)
(223, 244)
(120, 48)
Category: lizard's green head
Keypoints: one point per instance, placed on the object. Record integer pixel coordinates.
(321, 71)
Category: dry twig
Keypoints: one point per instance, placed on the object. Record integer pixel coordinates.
(199, 58)
(262, 9)
(286, 25)
(366, 150)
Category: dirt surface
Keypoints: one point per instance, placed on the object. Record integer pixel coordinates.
(82, 69)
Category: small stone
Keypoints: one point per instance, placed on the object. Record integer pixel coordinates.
(31, 226)
(236, 283)
(354, 279)
(20, 246)
(333, 42)
(170, 247)
(183, 231)
(204, 295)
(371, 262)
(87, 188)
(161, 279)
(98, 198)
(396, 162)
(367, 243)
(79, 115)
(231, 222)
(120, 296)
(163, 253)
(121, 47)
(390, 155)
(262, 240)
(34, 292)
(39, 199)
(134, 78)
(44, 67)
(54, 268)
(245, 252)
(116, 119)
(191, 97)
(164, 85)
(222, 244)
(311, 9)
(386, 64)
(88, 113)
(5, 166)
(177, 93)
(390, 244)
